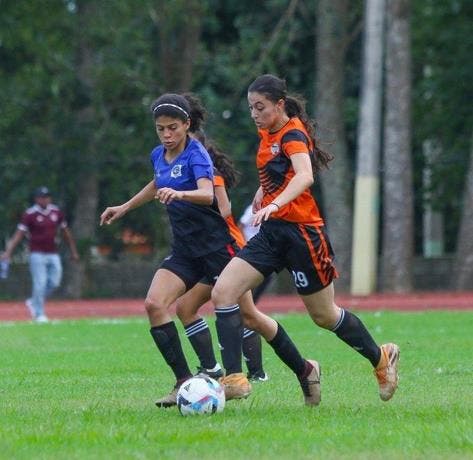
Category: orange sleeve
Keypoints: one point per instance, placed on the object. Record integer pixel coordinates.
(295, 141)
(290, 148)
(235, 232)
(219, 181)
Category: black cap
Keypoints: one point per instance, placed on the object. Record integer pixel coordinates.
(42, 191)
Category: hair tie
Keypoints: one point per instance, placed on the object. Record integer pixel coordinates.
(166, 104)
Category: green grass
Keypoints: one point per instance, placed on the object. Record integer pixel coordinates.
(85, 389)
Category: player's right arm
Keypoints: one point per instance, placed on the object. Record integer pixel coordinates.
(257, 200)
(114, 213)
(12, 244)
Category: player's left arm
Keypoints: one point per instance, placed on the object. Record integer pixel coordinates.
(203, 194)
(224, 205)
(302, 179)
(70, 241)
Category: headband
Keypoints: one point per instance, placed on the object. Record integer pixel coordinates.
(171, 105)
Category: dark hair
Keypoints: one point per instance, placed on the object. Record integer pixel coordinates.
(221, 161)
(171, 105)
(274, 89)
(197, 112)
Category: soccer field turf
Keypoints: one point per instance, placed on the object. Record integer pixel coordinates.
(86, 389)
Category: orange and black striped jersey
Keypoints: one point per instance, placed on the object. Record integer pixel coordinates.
(275, 171)
(233, 228)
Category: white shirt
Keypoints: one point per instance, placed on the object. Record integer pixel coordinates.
(248, 229)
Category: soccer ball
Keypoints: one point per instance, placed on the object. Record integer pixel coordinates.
(200, 395)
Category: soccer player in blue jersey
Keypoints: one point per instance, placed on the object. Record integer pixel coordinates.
(202, 245)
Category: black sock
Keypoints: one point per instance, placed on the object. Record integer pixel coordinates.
(351, 330)
(252, 351)
(167, 340)
(199, 336)
(230, 336)
(288, 352)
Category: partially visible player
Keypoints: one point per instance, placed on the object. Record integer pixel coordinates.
(202, 245)
(245, 224)
(293, 236)
(187, 306)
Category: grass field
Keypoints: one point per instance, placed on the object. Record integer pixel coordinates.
(85, 389)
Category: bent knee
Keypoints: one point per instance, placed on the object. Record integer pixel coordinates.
(220, 296)
(153, 305)
(325, 320)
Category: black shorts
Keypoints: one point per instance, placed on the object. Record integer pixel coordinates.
(206, 269)
(304, 250)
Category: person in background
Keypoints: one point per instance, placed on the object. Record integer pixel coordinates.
(293, 236)
(245, 224)
(41, 223)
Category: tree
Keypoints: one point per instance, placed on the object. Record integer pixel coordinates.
(462, 273)
(398, 208)
(329, 102)
(179, 26)
(366, 212)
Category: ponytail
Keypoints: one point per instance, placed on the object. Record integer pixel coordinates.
(295, 107)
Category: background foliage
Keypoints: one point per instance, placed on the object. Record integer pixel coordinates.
(45, 137)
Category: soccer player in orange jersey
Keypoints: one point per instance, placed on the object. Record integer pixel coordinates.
(293, 236)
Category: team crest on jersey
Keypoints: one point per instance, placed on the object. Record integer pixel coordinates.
(176, 171)
(275, 149)
(54, 217)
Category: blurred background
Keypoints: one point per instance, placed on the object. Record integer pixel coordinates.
(388, 82)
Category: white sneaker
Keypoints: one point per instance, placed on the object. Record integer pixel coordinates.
(29, 306)
(42, 319)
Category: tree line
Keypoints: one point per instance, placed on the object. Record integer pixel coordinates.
(78, 77)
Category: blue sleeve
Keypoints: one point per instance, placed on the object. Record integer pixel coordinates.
(202, 165)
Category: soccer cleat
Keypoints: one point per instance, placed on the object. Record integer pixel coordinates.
(386, 371)
(311, 385)
(236, 386)
(170, 399)
(214, 374)
(29, 306)
(258, 376)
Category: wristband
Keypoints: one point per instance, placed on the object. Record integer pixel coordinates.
(275, 204)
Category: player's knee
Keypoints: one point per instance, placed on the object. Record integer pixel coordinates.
(153, 306)
(220, 296)
(324, 319)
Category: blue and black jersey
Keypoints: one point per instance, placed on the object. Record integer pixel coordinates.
(197, 229)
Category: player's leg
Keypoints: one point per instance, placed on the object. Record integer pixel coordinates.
(313, 271)
(196, 328)
(234, 285)
(229, 328)
(252, 350)
(253, 356)
(165, 288)
(39, 279)
(54, 273)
